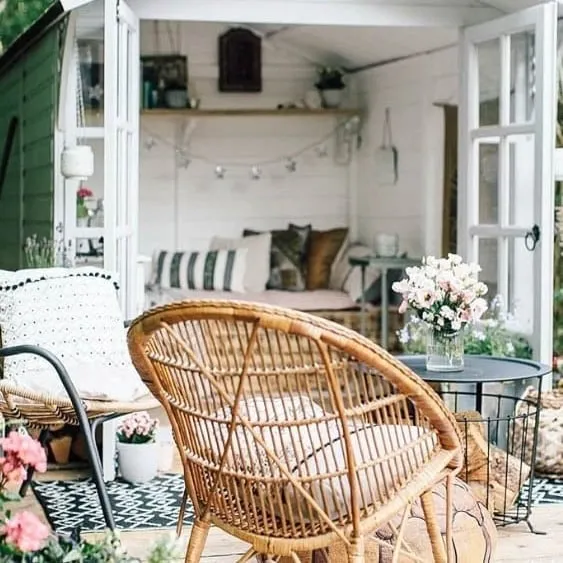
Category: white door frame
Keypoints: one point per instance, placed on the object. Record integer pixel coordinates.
(121, 147)
(541, 19)
(121, 168)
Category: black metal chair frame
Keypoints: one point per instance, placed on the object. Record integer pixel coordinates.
(87, 427)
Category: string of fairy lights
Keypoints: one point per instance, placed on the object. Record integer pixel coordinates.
(289, 161)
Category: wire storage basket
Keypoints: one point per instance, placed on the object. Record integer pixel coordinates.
(500, 449)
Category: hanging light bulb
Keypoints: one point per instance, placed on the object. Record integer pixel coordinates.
(322, 151)
(255, 172)
(291, 165)
(219, 172)
(150, 143)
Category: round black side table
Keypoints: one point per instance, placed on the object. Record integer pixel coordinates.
(483, 370)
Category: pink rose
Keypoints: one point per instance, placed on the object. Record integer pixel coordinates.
(25, 531)
(21, 451)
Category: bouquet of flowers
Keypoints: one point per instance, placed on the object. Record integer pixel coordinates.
(492, 335)
(445, 293)
(25, 538)
(137, 428)
(81, 195)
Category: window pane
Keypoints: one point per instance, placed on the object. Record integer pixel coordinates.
(488, 55)
(522, 83)
(488, 182)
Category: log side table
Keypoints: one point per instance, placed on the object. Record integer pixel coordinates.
(483, 370)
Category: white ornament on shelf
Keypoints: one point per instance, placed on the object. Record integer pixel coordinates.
(77, 162)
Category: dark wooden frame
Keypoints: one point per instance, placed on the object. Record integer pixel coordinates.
(240, 61)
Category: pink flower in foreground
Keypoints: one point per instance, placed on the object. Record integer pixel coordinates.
(25, 531)
(20, 451)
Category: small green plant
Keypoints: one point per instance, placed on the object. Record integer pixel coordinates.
(491, 336)
(330, 79)
(39, 253)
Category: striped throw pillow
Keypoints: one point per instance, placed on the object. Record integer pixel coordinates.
(219, 270)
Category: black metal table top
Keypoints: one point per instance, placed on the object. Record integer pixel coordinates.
(479, 369)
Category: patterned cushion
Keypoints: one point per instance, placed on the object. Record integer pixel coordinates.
(212, 270)
(324, 247)
(288, 257)
(74, 314)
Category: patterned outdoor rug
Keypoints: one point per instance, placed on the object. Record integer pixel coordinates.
(152, 505)
(156, 504)
(545, 491)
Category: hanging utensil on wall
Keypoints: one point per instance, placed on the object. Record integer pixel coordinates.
(387, 156)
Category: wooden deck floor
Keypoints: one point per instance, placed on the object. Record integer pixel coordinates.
(516, 543)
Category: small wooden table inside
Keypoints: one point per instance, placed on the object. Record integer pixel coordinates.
(384, 265)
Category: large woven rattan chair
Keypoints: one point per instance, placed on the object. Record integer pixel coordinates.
(294, 432)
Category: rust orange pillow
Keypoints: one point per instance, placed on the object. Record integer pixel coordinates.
(323, 249)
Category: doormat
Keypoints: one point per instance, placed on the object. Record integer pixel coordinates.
(544, 491)
(146, 506)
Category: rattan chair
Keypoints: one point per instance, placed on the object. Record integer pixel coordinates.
(44, 412)
(295, 433)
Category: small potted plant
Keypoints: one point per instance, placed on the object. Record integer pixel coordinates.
(84, 197)
(330, 85)
(137, 447)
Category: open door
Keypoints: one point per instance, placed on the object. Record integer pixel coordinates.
(121, 147)
(506, 147)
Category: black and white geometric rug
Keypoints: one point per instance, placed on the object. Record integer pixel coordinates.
(152, 505)
(544, 491)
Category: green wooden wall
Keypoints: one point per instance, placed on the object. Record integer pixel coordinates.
(29, 90)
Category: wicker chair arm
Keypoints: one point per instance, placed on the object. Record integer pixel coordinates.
(57, 365)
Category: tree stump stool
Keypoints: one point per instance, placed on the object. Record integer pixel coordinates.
(474, 532)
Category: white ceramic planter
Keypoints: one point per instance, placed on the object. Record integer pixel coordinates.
(558, 164)
(332, 98)
(138, 463)
(77, 162)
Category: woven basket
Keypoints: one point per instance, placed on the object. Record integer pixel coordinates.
(549, 457)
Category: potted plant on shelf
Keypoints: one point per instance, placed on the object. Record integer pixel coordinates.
(330, 85)
(137, 447)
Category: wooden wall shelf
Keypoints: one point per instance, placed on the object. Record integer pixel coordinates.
(288, 112)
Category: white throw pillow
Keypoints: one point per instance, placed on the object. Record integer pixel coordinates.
(74, 314)
(213, 270)
(348, 278)
(257, 260)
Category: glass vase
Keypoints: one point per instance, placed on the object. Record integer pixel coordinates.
(444, 351)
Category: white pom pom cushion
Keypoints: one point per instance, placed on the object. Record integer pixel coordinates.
(74, 314)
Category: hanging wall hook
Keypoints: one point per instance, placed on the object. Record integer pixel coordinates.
(532, 238)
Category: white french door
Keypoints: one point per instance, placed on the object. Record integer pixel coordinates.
(121, 147)
(505, 176)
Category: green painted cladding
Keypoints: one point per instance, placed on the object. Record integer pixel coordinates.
(29, 91)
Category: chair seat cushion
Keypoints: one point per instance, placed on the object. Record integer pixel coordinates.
(75, 315)
(386, 455)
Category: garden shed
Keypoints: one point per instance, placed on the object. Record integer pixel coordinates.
(461, 94)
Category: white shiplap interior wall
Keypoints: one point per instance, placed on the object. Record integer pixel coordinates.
(413, 207)
(182, 208)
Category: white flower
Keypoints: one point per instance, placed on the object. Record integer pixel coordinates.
(478, 307)
(403, 335)
(447, 312)
(456, 324)
(510, 348)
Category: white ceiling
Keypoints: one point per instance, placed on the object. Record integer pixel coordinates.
(349, 47)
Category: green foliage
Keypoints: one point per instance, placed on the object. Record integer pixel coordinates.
(17, 16)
